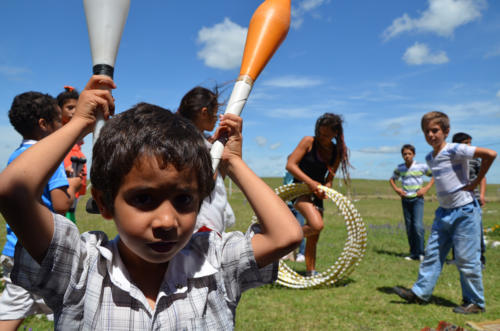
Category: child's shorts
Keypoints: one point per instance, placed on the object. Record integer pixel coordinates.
(15, 301)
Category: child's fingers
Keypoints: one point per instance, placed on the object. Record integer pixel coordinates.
(100, 82)
(232, 125)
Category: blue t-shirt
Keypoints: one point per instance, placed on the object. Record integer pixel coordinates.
(58, 179)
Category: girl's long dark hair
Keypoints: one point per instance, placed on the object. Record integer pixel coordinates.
(334, 122)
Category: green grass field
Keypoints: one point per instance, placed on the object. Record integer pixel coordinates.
(363, 301)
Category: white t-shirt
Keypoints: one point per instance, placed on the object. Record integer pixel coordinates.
(450, 170)
(215, 212)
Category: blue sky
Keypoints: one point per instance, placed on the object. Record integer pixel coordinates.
(381, 64)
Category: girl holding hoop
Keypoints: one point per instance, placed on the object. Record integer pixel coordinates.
(200, 106)
(315, 161)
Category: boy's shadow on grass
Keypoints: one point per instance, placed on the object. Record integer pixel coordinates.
(438, 301)
(391, 253)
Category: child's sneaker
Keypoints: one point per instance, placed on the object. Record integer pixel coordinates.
(311, 273)
(300, 258)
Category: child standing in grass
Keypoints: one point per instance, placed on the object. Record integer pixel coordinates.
(412, 198)
(200, 105)
(150, 173)
(34, 115)
(457, 222)
(67, 101)
(479, 192)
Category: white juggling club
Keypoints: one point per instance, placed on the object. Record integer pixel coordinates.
(105, 22)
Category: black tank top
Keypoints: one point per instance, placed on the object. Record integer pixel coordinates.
(313, 166)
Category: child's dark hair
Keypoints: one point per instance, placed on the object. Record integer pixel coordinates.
(460, 137)
(334, 122)
(69, 93)
(147, 129)
(408, 146)
(441, 118)
(28, 108)
(197, 98)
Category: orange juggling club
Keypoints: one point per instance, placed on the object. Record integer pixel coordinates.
(267, 30)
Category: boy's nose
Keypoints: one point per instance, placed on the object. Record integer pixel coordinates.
(165, 222)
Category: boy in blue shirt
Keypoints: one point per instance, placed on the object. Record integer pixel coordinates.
(150, 173)
(34, 115)
(457, 222)
(412, 198)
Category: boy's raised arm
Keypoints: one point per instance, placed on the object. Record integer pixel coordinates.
(280, 230)
(23, 181)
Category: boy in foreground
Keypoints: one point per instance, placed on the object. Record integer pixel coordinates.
(412, 193)
(457, 222)
(150, 173)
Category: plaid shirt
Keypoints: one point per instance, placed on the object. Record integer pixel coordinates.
(84, 281)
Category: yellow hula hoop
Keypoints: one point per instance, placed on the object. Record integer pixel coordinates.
(354, 247)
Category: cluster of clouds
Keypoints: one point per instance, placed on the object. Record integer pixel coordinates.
(441, 18)
(262, 142)
(222, 44)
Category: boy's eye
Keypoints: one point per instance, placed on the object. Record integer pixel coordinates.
(184, 202)
(141, 200)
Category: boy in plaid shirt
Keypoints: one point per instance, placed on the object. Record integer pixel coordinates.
(150, 173)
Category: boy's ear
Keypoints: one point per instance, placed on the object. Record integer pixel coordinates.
(42, 123)
(97, 195)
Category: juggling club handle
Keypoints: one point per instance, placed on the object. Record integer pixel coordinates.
(107, 70)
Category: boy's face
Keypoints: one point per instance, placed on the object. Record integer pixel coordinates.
(434, 135)
(155, 212)
(408, 155)
(68, 109)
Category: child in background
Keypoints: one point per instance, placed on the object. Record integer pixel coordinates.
(479, 192)
(67, 101)
(457, 220)
(34, 115)
(151, 171)
(200, 106)
(412, 199)
(315, 161)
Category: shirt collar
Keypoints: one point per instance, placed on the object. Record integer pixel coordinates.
(187, 264)
(29, 142)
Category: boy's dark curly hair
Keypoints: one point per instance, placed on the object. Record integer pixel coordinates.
(27, 108)
(147, 129)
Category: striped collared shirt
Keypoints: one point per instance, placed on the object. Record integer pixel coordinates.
(411, 177)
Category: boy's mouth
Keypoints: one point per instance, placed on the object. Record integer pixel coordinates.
(162, 246)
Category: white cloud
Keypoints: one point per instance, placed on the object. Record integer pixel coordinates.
(15, 73)
(275, 146)
(222, 45)
(493, 53)
(304, 7)
(261, 141)
(498, 94)
(419, 54)
(292, 81)
(442, 17)
(381, 150)
(10, 140)
(291, 113)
